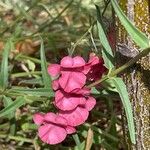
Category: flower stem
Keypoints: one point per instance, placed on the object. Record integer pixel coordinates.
(122, 68)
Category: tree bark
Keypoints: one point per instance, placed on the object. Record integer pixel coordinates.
(137, 78)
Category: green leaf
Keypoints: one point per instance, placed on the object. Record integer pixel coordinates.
(76, 139)
(95, 91)
(107, 145)
(31, 65)
(8, 101)
(12, 107)
(139, 37)
(4, 126)
(109, 85)
(104, 133)
(121, 87)
(97, 139)
(35, 92)
(106, 51)
(11, 116)
(80, 147)
(29, 126)
(32, 81)
(45, 75)
(4, 65)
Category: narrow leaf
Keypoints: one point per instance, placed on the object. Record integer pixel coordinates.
(104, 133)
(29, 126)
(8, 101)
(76, 139)
(95, 91)
(80, 147)
(45, 75)
(11, 116)
(106, 51)
(34, 81)
(35, 92)
(12, 107)
(121, 87)
(139, 37)
(4, 65)
(109, 85)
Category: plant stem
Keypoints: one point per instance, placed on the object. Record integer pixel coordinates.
(131, 62)
(22, 74)
(122, 68)
(17, 138)
(20, 56)
(80, 39)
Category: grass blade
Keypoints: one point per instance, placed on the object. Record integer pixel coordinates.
(8, 101)
(45, 75)
(4, 65)
(12, 107)
(34, 92)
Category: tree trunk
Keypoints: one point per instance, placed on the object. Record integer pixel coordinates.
(137, 78)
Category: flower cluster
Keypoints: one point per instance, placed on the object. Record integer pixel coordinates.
(72, 98)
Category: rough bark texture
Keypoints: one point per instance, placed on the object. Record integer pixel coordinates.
(136, 78)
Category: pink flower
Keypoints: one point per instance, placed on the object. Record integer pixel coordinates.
(53, 128)
(66, 101)
(90, 103)
(80, 114)
(75, 117)
(71, 80)
(95, 68)
(84, 91)
(72, 98)
(69, 62)
(54, 70)
(71, 71)
(38, 118)
(55, 85)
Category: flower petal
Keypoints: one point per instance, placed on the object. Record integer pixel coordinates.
(66, 101)
(52, 134)
(69, 62)
(54, 118)
(93, 60)
(83, 91)
(75, 117)
(38, 118)
(53, 69)
(96, 72)
(70, 130)
(78, 61)
(90, 103)
(55, 84)
(66, 62)
(70, 81)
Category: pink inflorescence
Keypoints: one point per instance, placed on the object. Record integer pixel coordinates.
(72, 98)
